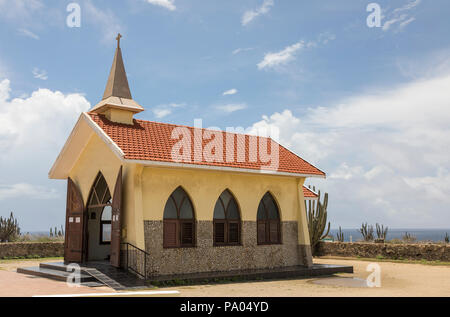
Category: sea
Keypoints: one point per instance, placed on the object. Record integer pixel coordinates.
(435, 235)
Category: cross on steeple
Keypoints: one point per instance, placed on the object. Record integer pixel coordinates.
(119, 36)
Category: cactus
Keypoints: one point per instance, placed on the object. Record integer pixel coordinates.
(381, 232)
(408, 238)
(367, 232)
(446, 238)
(51, 232)
(9, 229)
(340, 235)
(317, 220)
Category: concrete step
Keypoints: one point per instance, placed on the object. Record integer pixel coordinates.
(57, 266)
(53, 274)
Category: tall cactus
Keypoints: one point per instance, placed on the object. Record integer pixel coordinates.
(367, 232)
(9, 229)
(340, 235)
(381, 232)
(317, 219)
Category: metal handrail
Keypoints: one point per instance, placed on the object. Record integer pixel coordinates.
(136, 269)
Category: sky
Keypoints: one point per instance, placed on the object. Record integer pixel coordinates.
(368, 105)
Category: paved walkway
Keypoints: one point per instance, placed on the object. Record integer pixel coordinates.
(13, 284)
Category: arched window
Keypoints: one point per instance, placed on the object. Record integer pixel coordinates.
(99, 205)
(268, 221)
(227, 220)
(179, 221)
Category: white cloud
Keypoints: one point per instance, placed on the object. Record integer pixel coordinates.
(387, 154)
(33, 130)
(162, 111)
(400, 17)
(240, 50)
(103, 19)
(24, 190)
(230, 92)
(40, 74)
(29, 34)
(19, 10)
(40, 121)
(233, 107)
(281, 58)
(250, 15)
(288, 54)
(168, 4)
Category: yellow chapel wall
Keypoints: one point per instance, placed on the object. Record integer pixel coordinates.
(204, 187)
(97, 157)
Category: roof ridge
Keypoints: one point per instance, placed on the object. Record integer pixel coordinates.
(191, 127)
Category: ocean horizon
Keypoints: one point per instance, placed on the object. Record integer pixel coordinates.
(435, 235)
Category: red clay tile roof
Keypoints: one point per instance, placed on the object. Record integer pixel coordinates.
(152, 141)
(308, 193)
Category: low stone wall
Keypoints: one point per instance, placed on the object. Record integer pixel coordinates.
(31, 250)
(430, 252)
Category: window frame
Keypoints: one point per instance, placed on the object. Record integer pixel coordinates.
(267, 222)
(226, 222)
(179, 224)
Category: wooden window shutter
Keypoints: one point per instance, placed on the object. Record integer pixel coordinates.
(274, 231)
(170, 234)
(187, 233)
(261, 232)
(219, 232)
(233, 232)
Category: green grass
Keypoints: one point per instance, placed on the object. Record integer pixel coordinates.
(28, 258)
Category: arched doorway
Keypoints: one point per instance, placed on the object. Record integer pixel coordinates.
(99, 212)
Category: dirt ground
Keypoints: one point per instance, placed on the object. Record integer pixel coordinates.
(397, 279)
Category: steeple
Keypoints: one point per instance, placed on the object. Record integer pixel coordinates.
(117, 103)
(117, 85)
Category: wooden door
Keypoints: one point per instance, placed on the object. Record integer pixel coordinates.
(73, 247)
(116, 222)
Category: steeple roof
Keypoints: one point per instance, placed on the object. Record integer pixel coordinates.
(117, 85)
(117, 92)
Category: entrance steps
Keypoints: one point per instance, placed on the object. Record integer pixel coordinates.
(93, 274)
(58, 274)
